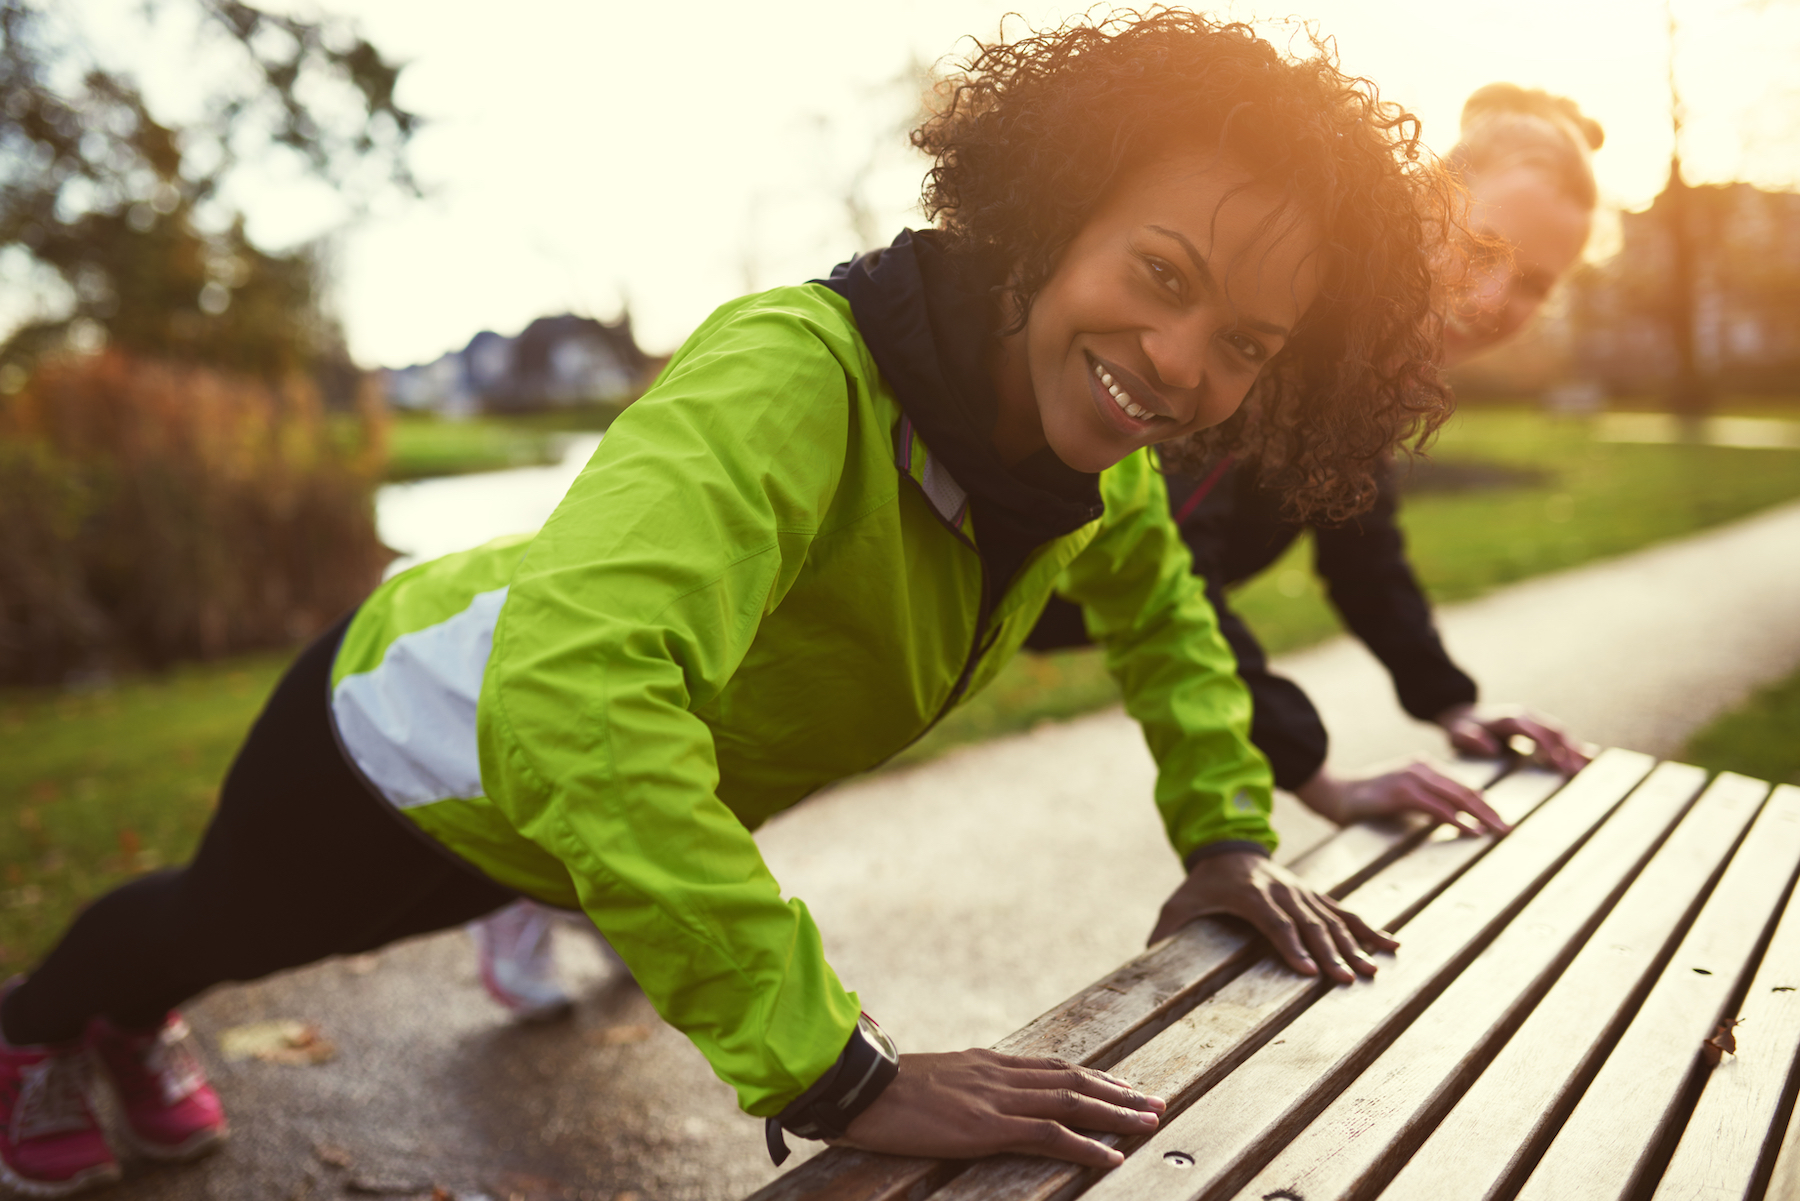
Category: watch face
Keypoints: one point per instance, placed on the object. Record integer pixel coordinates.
(878, 1038)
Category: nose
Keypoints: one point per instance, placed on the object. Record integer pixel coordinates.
(1177, 350)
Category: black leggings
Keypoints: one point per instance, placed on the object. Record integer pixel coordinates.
(301, 861)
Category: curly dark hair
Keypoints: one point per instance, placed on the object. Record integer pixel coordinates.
(1028, 136)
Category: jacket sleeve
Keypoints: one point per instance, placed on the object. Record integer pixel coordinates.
(634, 606)
(1363, 563)
(1144, 604)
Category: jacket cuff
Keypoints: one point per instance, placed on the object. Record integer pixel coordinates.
(867, 1065)
(1222, 848)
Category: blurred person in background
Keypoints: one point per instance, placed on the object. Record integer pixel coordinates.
(1525, 159)
(835, 516)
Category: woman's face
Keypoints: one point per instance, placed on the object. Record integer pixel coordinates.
(1546, 230)
(1158, 317)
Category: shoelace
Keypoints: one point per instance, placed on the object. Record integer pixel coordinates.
(166, 1068)
(52, 1099)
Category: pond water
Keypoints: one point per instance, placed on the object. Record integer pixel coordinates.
(423, 519)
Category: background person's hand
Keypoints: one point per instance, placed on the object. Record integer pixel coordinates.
(1485, 732)
(1416, 788)
(968, 1104)
(1308, 929)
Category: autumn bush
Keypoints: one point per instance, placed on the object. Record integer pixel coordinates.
(156, 512)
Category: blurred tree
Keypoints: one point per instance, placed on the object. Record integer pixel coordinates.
(126, 209)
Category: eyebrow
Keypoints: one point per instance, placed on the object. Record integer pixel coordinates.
(1206, 277)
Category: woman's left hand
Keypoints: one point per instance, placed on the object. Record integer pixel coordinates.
(1307, 928)
(1484, 732)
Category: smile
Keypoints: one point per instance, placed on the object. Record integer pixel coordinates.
(1121, 397)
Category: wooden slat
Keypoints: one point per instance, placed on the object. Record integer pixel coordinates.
(1633, 1103)
(1729, 1135)
(1504, 1117)
(1109, 1017)
(1227, 1133)
(1785, 1183)
(1360, 1135)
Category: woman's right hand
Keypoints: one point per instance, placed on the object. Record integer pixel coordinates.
(1418, 787)
(972, 1103)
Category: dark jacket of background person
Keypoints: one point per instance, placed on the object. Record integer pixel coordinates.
(1235, 529)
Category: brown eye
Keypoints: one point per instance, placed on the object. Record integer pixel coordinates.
(1247, 346)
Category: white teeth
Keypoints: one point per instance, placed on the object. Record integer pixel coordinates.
(1121, 397)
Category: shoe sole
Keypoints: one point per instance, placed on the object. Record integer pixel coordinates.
(200, 1143)
(94, 1177)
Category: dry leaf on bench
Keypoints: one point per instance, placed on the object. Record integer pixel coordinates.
(1722, 1043)
(277, 1042)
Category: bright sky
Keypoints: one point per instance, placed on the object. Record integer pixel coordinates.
(586, 152)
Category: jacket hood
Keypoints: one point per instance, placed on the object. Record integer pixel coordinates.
(928, 320)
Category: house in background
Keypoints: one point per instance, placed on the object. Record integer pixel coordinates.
(555, 362)
(1746, 309)
(1610, 328)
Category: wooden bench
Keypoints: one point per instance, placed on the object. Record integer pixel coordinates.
(1541, 1033)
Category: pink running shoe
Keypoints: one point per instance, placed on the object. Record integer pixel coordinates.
(50, 1144)
(171, 1112)
(517, 965)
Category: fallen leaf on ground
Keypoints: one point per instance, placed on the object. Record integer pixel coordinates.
(277, 1042)
(331, 1153)
(380, 1186)
(1722, 1043)
(614, 1036)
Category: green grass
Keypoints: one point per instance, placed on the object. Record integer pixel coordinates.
(1594, 500)
(98, 785)
(1759, 738)
(421, 445)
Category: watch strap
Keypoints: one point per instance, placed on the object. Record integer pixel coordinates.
(867, 1065)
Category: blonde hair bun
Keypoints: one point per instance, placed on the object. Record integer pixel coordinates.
(1505, 125)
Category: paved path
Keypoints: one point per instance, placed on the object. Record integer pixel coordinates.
(962, 898)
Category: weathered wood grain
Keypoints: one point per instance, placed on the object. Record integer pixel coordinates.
(1357, 1138)
(1634, 1101)
(1785, 1183)
(1225, 1135)
(1204, 1044)
(1216, 1143)
(1480, 1147)
(1109, 1017)
(1728, 1138)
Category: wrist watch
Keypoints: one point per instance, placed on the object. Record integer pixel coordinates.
(868, 1064)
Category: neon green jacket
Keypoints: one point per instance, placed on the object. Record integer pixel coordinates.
(760, 584)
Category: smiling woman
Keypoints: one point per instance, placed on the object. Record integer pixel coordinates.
(834, 517)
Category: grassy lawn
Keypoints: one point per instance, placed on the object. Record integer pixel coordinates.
(1759, 738)
(98, 785)
(422, 445)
